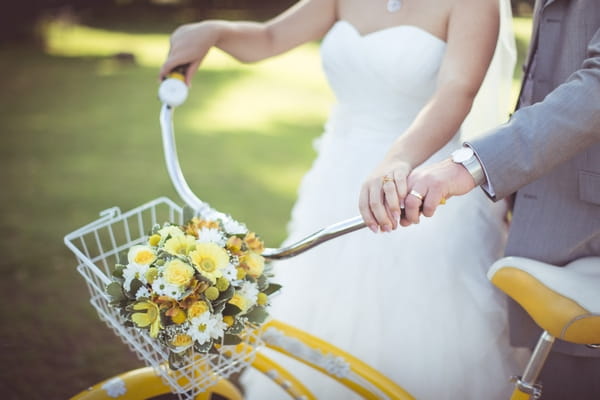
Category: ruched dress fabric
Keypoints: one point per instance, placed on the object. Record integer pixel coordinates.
(415, 303)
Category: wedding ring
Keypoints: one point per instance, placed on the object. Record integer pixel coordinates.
(443, 201)
(416, 194)
(387, 179)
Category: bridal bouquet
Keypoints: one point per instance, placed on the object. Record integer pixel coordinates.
(194, 287)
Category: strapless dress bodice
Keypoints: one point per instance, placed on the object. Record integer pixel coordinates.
(381, 78)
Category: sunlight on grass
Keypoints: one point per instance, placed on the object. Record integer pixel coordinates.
(288, 88)
(69, 40)
(229, 97)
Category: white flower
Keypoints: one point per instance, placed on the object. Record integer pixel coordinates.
(142, 292)
(206, 327)
(249, 291)
(233, 227)
(141, 255)
(208, 235)
(229, 273)
(162, 288)
(134, 271)
(170, 230)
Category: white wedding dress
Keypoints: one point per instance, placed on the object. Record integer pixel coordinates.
(415, 303)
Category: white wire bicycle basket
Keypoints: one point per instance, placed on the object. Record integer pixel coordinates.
(102, 244)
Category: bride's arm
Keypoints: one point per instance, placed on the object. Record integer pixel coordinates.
(471, 38)
(249, 41)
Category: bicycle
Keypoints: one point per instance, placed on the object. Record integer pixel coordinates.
(561, 300)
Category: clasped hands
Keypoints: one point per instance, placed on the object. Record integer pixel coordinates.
(395, 194)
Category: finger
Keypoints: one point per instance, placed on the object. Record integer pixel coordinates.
(190, 71)
(365, 210)
(394, 217)
(377, 207)
(401, 184)
(432, 201)
(413, 201)
(392, 202)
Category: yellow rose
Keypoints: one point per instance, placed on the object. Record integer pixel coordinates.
(253, 263)
(178, 273)
(178, 316)
(196, 309)
(209, 259)
(239, 301)
(182, 340)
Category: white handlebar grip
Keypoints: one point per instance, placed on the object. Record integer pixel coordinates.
(173, 92)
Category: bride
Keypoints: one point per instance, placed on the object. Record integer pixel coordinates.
(414, 303)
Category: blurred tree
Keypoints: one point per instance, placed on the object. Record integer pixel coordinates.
(19, 20)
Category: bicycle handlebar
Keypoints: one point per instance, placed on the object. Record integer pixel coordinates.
(170, 94)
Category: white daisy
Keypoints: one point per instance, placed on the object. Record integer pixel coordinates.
(134, 271)
(142, 292)
(141, 255)
(206, 327)
(249, 291)
(229, 273)
(162, 288)
(208, 235)
(233, 227)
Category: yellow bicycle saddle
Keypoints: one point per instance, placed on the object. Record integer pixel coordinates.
(565, 301)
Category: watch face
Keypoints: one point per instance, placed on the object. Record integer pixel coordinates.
(461, 155)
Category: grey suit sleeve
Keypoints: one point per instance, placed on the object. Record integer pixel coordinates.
(539, 137)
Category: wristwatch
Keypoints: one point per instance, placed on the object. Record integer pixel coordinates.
(466, 156)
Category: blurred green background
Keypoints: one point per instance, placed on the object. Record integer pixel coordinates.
(80, 134)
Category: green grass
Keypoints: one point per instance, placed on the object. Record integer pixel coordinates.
(80, 134)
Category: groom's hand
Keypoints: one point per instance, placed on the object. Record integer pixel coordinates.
(435, 183)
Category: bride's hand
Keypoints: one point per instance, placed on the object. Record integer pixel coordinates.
(382, 195)
(189, 45)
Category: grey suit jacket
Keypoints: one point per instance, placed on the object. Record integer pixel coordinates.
(549, 152)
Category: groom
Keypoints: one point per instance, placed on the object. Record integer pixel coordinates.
(549, 154)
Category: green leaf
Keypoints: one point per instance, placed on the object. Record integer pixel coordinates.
(117, 271)
(135, 285)
(225, 295)
(236, 328)
(231, 309)
(262, 283)
(229, 340)
(115, 291)
(218, 308)
(257, 315)
(203, 348)
(272, 288)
